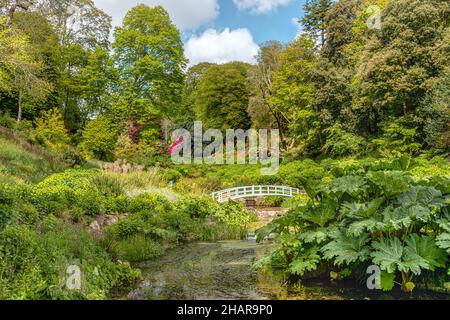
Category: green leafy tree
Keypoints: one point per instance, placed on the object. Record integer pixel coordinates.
(293, 92)
(193, 77)
(261, 79)
(77, 21)
(148, 52)
(403, 60)
(222, 96)
(21, 69)
(97, 81)
(314, 18)
(435, 115)
(99, 139)
(51, 132)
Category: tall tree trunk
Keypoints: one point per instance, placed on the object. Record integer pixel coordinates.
(280, 128)
(405, 108)
(19, 113)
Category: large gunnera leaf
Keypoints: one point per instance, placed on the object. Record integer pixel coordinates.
(306, 261)
(345, 250)
(388, 254)
(443, 241)
(418, 254)
(321, 214)
(387, 281)
(422, 253)
(424, 196)
(361, 210)
(351, 185)
(390, 182)
(318, 236)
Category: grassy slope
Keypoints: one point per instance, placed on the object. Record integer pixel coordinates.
(25, 161)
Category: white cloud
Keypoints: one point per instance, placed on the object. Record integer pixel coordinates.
(296, 22)
(221, 47)
(186, 14)
(260, 6)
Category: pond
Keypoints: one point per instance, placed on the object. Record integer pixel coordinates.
(223, 271)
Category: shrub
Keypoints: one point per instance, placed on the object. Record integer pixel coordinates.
(33, 263)
(125, 148)
(7, 121)
(99, 139)
(70, 190)
(342, 143)
(149, 203)
(364, 217)
(13, 207)
(73, 158)
(137, 248)
(51, 132)
(126, 228)
(194, 207)
(401, 135)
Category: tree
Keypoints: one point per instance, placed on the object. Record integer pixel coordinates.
(51, 132)
(435, 114)
(261, 83)
(81, 29)
(148, 53)
(339, 27)
(314, 18)
(402, 62)
(222, 97)
(97, 82)
(45, 43)
(14, 6)
(20, 69)
(193, 77)
(294, 91)
(99, 139)
(339, 57)
(78, 21)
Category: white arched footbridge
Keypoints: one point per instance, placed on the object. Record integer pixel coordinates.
(254, 192)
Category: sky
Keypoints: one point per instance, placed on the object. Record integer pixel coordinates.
(221, 31)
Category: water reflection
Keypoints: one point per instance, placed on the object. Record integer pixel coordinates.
(223, 270)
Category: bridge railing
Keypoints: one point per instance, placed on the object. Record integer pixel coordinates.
(254, 191)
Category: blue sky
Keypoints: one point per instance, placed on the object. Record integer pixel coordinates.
(274, 25)
(221, 31)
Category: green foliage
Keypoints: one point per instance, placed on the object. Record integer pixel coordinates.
(221, 97)
(99, 139)
(33, 263)
(370, 213)
(345, 250)
(341, 143)
(75, 191)
(399, 136)
(51, 132)
(28, 164)
(148, 52)
(137, 248)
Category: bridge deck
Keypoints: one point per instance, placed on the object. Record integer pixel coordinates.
(254, 192)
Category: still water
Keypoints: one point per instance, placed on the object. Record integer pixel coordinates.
(223, 270)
